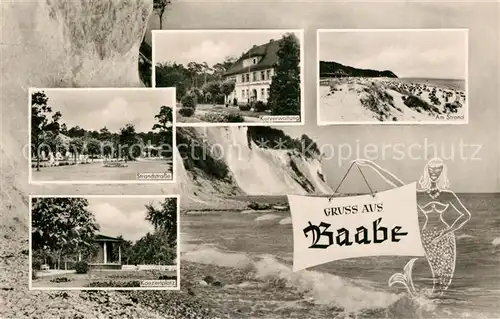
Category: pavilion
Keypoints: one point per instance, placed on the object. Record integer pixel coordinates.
(104, 258)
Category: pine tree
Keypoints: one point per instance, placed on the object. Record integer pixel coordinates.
(284, 95)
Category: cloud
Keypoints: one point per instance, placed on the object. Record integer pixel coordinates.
(434, 54)
(114, 221)
(208, 51)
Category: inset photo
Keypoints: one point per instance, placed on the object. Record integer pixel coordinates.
(392, 76)
(102, 135)
(103, 242)
(230, 77)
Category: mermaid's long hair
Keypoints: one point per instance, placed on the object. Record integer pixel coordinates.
(442, 182)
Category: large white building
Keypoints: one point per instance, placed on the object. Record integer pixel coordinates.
(253, 73)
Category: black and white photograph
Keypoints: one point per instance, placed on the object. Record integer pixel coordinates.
(102, 135)
(104, 242)
(276, 220)
(229, 77)
(398, 76)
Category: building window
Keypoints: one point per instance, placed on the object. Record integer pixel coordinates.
(243, 93)
(248, 77)
(267, 92)
(268, 73)
(243, 78)
(254, 61)
(254, 76)
(262, 93)
(262, 75)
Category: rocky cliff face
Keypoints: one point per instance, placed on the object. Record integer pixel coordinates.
(229, 156)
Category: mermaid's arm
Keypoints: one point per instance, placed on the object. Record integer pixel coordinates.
(461, 220)
(464, 217)
(385, 174)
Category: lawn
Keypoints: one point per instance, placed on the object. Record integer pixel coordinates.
(120, 278)
(97, 172)
(202, 109)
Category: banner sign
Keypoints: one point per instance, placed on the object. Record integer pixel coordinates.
(326, 229)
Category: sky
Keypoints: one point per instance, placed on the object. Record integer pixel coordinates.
(207, 46)
(408, 53)
(122, 215)
(466, 175)
(92, 109)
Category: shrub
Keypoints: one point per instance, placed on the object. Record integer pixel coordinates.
(235, 118)
(60, 279)
(245, 107)
(419, 105)
(166, 277)
(33, 274)
(81, 267)
(36, 264)
(188, 101)
(186, 111)
(224, 117)
(260, 106)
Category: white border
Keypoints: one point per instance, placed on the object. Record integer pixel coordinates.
(438, 122)
(298, 32)
(99, 182)
(177, 287)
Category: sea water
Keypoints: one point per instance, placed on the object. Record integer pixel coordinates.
(237, 240)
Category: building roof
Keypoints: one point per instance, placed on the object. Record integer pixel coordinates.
(267, 51)
(100, 237)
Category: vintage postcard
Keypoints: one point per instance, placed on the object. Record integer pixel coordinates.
(102, 135)
(232, 77)
(392, 76)
(104, 242)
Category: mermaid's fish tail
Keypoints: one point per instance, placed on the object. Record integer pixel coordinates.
(441, 257)
(405, 278)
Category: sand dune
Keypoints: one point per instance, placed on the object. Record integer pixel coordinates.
(389, 99)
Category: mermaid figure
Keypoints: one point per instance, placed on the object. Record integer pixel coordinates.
(438, 238)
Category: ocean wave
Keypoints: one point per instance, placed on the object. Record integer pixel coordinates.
(267, 217)
(318, 287)
(252, 211)
(325, 288)
(463, 236)
(211, 255)
(286, 221)
(495, 242)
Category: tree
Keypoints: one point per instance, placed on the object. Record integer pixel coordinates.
(76, 147)
(127, 139)
(159, 7)
(152, 249)
(164, 128)
(205, 68)
(284, 95)
(64, 129)
(62, 225)
(76, 132)
(221, 68)
(213, 88)
(227, 87)
(41, 125)
(164, 119)
(94, 147)
(164, 219)
(194, 70)
(174, 75)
